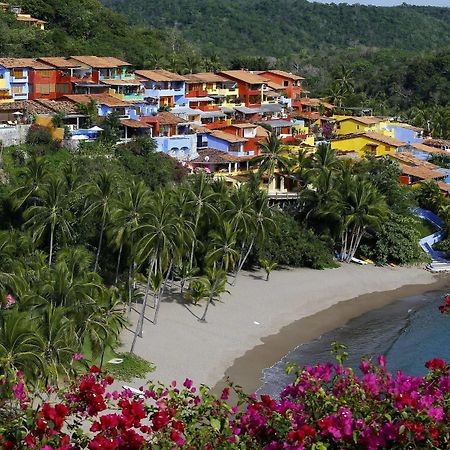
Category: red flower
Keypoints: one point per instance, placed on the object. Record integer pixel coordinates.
(225, 394)
(435, 364)
(95, 369)
(177, 438)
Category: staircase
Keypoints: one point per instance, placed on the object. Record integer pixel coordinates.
(438, 262)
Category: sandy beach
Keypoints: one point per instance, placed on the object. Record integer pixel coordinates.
(259, 322)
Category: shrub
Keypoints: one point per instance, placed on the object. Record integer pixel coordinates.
(291, 245)
(39, 135)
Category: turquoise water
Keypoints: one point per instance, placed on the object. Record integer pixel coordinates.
(408, 333)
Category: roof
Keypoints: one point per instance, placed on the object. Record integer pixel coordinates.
(205, 77)
(134, 123)
(406, 125)
(11, 63)
(199, 99)
(366, 120)
(375, 136)
(186, 110)
(278, 123)
(160, 75)
(271, 107)
(282, 73)
(421, 172)
(211, 114)
(247, 110)
(63, 106)
(200, 129)
(410, 160)
(167, 118)
(213, 156)
(443, 186)
(101, 62)
(275, 86)
(101, 99)
(228, 137)
(60, 62)
(244, 125)
(245, 76)
(428, 149)
(437, 143)
(120, 83)
(28, 18)
(262, 132)
(315, 102)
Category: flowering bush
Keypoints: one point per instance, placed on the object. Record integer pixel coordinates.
(327, 406)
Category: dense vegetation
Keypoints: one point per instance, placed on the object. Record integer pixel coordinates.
(287, 27)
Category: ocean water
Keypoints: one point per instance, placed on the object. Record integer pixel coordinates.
(408, 333)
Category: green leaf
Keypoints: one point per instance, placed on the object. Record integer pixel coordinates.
(215, 423)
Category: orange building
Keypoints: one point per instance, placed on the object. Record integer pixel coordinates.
(292, 85)
(252, 87)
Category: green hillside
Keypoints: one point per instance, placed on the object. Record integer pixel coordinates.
(284, 27)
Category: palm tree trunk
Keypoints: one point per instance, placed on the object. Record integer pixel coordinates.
(118, 262)
(241, 264)
(130, 286)
(158, 302)
(52, 233)
(99, 247)
(191, 258)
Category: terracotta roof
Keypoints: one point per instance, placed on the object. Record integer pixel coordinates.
(167, 118)
(63, 106)
(27, 106)
(205, 77)
(262, 132)
(101, 62)
(212, 156)
(421, 172)
(428, 149)
(134, 123)
(315, 102)
(366, 120)
(244, 125)
(245, 76)
(120, 83)
(101, 99)
(60, 62)
(11, 63)
(227, 137)
(443, 186)
(284, 74)
(275, 86)
(437, 143)
(200, 129)
(410, 160)
(159, 75)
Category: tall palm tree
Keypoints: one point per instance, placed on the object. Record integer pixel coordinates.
(90, 110)
(215, 285)
(100, 194)
(272, 158)
(325, 158)
(362, 208)
(50, 213)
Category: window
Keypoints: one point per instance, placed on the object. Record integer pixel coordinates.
(44, 89)
(17, 89)
(18, 73)
(46, 73)
(286, 83)
(62, 88)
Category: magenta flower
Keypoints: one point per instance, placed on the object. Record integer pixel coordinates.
(77, 356)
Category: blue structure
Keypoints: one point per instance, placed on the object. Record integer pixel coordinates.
(183, 148)
(406, 133)
(13, 81)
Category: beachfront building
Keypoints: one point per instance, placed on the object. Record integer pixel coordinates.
(367, 143)
(163, 87)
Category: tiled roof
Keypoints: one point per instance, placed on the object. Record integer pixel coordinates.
(101, 62)
(134, 123)
(205, 77)
(101, 99)
(212, 156)
(275, 86)
(60, 62)
(245, 76)
(366, 120)
(428, 149)
(244, 125)
(375, 136)
(437, 143)
(11, 63)
(421, 172)
(284, 74)
(410, 160)
(315, 102)
(167, 118)
(445, 187)
(121, 83)
(63, 106)
(228, 137)
(159, 75)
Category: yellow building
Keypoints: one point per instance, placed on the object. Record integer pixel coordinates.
(367, 143)
(353, 124)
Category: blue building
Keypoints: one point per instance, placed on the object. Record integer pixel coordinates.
(14, 78)
(163, 87)
(406, 133)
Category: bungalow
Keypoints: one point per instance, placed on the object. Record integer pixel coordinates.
(251, 87)
(351, 125)
(226, 142)
(367, 142)
(166, 88)
(247, 131)
(290, 83)
(414, 174)
(31, 21)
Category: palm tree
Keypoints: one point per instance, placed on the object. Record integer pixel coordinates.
(50, 213)
(20, 345)
(90, 110)
(302, 166)
(325, 158)
(215, 285)
(363, 208)
(345, 80)
(35, 176)
(100, 195)
(272, 158)
(268, 266)
(223, 247)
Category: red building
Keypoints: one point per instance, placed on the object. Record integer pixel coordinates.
(41, 81)
(291, 84)
(252, 87)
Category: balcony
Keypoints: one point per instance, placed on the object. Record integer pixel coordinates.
(156, 93)
(197, 93)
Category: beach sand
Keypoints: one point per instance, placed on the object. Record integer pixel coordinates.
(259, 322)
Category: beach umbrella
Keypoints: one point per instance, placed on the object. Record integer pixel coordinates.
(95, 128)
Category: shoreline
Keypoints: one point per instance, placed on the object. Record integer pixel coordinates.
(247, 370)
(240, 336)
